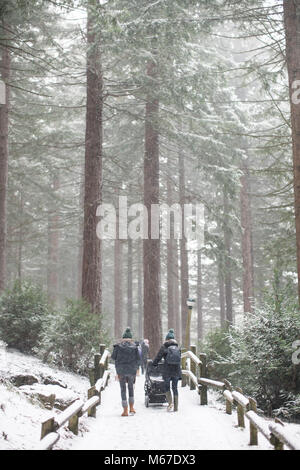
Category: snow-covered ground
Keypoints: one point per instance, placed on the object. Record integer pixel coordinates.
(193, 427)
(20, 414)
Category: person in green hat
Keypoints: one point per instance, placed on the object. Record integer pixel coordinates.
(171, 354)
(126, 357)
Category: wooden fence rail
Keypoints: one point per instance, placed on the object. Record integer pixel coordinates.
(71, 415)
(275, 433)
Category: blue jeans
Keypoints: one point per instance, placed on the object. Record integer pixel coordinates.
(129, 380)
(174, 381)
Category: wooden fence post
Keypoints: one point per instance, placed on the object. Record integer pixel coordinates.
(91, 373)
(73, 424)
(253, 429)
(193, 368)
(102, 349)
(47, 427)
(203, 369)
(183, 366)
(96, 367)
(278, 445)
(92, 411)
(228, 398)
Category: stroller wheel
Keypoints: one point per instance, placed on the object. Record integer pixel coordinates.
(146, 401)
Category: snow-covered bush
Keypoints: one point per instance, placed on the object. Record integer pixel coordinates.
(71, 337)
(261, 350)
(23, 311)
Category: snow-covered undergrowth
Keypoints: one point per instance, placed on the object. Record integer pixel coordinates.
(23, 408)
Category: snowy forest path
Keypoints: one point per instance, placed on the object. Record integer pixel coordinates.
(193, 427)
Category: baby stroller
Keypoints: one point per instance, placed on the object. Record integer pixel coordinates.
(154, 384)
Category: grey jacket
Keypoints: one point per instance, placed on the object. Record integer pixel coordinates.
(126, 357)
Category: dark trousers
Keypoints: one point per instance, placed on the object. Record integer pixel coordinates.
(129, 380)
(171, 380)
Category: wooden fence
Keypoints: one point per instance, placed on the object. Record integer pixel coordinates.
(99, 379)
(194, 370)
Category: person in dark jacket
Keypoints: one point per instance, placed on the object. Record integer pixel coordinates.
(171, 371)
(126, 357)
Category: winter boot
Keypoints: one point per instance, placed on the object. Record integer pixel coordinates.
(131, 409)
(169, 400)
(175, 402)
(125, 412)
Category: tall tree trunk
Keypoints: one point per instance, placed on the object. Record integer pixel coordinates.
(176, 292)
(292, 34)
(118, 285)
(228, 268)
(247, 248)
(80, 241)
(129, 285)
(199, 296)
(91, 263)
(152, 308)
(170, 263)
(221, 295)
(21, 235)
(184, 267)
(53, 243)
(4, 109)
(140, 290)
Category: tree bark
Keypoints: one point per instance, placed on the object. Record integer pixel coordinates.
(228, 268)
(184, 267)
(91, 263)
(80, 240)
(176, 292)
(170, 264)
(140, 290)
(247, 247)
(118, 285)
(53, 243)
(199, 296)
(129, 285)
(292, 34)
(21, 235)
(221, 295)
(4, 111)
(152, 308)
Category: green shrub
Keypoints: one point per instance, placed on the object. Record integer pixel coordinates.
(262, 351)
(23, 311)
(72, 336)
(217, 347)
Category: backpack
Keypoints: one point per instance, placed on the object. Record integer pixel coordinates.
(173, 356)
(127, 353)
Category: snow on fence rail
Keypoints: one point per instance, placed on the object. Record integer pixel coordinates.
(99, 380)
(194, 370)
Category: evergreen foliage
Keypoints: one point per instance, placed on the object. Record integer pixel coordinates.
(23, 313)
(261, 353)
(72, 336)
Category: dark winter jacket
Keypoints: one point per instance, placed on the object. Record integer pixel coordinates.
(126, 357)
(169, 370)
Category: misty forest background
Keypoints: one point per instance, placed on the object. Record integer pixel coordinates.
(182, 101)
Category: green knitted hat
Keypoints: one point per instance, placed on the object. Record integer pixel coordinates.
(127, 333)
(170, 334)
